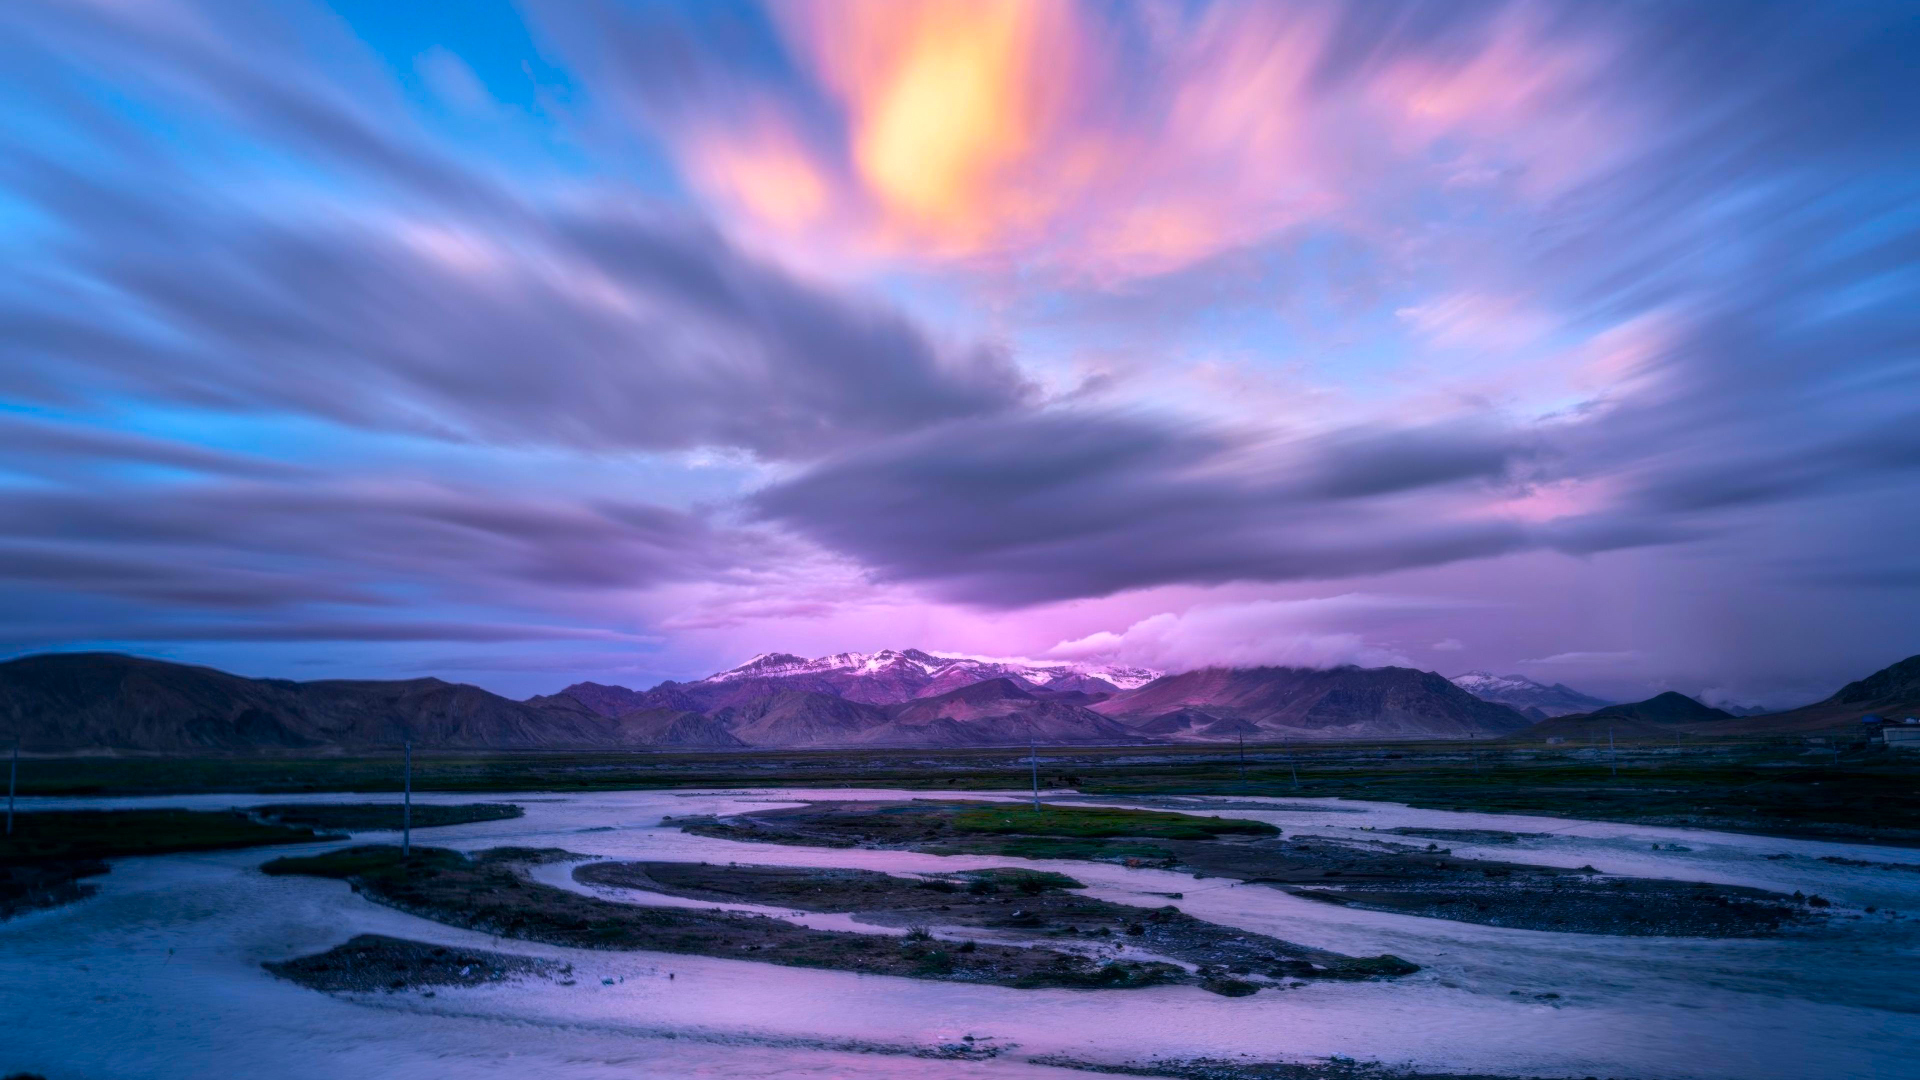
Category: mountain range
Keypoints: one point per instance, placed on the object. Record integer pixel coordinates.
(1662, 714)
(1535, 699)
(906, 698)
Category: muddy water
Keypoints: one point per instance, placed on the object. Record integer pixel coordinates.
(158, 975)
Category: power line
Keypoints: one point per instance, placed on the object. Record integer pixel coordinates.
(406, 807)
(1033, 758)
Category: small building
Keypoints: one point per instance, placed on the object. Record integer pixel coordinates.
(1904, 735)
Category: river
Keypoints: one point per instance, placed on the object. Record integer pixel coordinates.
(159, 974)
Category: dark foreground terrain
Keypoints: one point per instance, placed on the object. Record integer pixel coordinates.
(372, 962)
(44, 863)
(1382, 875)
(1219, 1069)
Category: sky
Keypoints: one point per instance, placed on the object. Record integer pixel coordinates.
(521, 344)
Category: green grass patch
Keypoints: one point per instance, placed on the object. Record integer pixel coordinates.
(376, 861)
(362, 817)
(1091, 823)
(1052, 847)
(1022, 880)
(105, 834)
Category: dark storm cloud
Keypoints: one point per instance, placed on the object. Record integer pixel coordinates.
(1360, 462)
(1055, 505)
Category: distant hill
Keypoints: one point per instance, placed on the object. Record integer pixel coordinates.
(674, 727)
(86, 701)
(603, 699)
(1526, 695)
(801, 718)
(1178, 722)
(1344, 702)
(1661, 715)
(1892, 692)
(998, 711)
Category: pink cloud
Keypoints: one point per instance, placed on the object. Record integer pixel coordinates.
(1000, 132)
(1259, 632)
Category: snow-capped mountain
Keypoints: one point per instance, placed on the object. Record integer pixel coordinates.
(1520, 692)
(911, 673)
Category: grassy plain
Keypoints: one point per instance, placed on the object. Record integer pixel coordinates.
(367, 817)
(1780, 787)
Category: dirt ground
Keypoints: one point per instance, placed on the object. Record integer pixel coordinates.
(372, 962)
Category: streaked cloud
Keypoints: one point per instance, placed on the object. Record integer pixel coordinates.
(689, 329)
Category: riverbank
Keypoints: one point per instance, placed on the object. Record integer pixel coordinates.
(46, 860)
(370, 963)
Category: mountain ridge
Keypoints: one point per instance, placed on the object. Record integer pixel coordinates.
(1313, 702)
(65, 702)
(1521, 693)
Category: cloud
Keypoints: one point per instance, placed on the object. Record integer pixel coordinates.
(1058, 504)
(438, 303)
(1100, 141)
(604, 330)
(1448, 645)
(69, 450)
(1589, 659)
(297, 631)
(1602, 315)
(1260, 633)
(347, 561)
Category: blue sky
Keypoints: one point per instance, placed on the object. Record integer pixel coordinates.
(622, 341)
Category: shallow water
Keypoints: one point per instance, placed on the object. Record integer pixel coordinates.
(158, 975)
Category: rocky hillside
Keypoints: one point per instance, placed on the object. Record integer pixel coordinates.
(1892, 692)
(1344, 702)
(1659, 716)
(87, 701)
(1527, 696)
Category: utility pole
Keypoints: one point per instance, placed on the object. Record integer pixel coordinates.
(1612, 758)
(406, 808)
(1291, 764)
(1243, 762)
(13, 776)
(1033, 758)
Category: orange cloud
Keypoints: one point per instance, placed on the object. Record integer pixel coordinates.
(949, 105)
